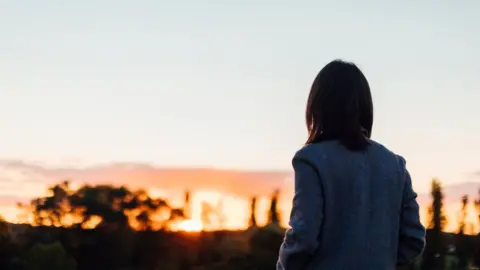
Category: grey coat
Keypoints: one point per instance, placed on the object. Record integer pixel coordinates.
(351, 211)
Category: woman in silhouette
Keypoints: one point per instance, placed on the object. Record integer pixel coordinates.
(354, 207)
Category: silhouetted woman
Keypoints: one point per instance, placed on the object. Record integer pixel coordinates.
(354, 207)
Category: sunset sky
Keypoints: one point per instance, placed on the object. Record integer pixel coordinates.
(218, 84)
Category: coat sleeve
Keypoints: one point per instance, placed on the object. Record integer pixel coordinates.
(301, 239)
(412, 232)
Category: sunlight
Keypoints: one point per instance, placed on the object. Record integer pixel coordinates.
(189, 226)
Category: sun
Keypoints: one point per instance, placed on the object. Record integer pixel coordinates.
(189, 225)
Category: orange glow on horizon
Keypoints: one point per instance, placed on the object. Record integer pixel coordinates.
(231, 211)
(188, 225)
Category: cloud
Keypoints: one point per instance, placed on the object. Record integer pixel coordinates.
(31, 179)
(139, 175)
(18, 175)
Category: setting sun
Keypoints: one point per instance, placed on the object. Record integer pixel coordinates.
(189, 226)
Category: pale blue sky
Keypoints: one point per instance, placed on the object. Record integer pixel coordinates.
(224, 83)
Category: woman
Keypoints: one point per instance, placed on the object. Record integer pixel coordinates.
(354, 207)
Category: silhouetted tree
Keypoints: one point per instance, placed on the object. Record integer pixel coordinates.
(477, 206)
(187, 207)
(273, 215)
(477, 242)
(148, 207)
(176, 214)
(253, 208)
(101, 205)
(463, 215)
(434, 254)
(206, 215)
(53, 209)
(107, 202)
(220, 215)
(438, 219)
(462, 247)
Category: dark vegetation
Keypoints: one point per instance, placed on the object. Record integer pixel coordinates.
(104, 227)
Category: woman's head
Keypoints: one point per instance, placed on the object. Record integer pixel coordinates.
(340, 106)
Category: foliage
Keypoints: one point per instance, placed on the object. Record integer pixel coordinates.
(438, 219)
(463, 215)
(476, 257)
(5, 231)
(273, 215)
(49, 257)
(101, 205)
(463, 249)
(107, 227)
(434, 253)
(7, 249)
(253, 207)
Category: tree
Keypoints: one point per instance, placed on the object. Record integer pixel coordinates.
(105, 202)
(212, 217)
(148, 207)
(477, 205)
(273, 215)
(434, 254)
(253, 208)
(220, 215)
(53, 209)
(206, 215)
(438, 219)
(462, 247)
(463, 215)
(187, 207)
(100, 205)
(477, 252)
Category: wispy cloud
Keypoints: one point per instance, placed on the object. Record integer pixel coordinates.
(244, 183)
(18, 175)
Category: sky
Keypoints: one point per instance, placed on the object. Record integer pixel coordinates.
(223, 84)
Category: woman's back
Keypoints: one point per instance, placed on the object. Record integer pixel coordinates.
(354, 206)
(362, 196)
(362, 201)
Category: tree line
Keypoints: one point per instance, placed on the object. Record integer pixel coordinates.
(455, 251)
(110, 227)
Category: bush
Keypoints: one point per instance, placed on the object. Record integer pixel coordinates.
(49, 257)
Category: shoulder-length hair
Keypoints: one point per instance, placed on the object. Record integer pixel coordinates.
(340, 106)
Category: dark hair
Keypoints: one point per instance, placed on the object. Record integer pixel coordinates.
(340, 106)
